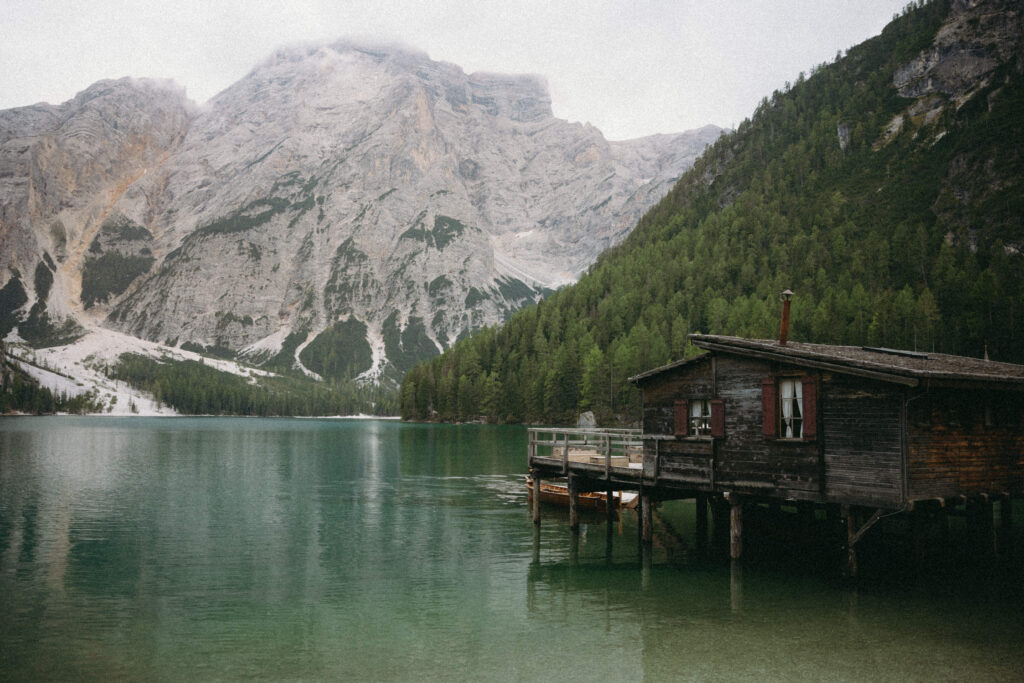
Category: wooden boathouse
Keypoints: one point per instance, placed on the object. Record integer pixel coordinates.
(863, 432)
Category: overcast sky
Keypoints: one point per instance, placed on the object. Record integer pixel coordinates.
(629, 68)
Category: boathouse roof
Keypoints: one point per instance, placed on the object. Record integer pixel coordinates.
(910, 368)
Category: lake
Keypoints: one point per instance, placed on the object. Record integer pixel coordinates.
(227, 548)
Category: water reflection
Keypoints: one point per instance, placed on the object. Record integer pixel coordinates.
(219, 548)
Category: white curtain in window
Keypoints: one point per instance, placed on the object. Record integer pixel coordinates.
(792, 392)
(786, 389)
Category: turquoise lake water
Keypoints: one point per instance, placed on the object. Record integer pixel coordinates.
(233, 548)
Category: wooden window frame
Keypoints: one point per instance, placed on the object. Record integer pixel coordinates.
(699, 424)
(773, 411)
(795, 405)
(683, 420)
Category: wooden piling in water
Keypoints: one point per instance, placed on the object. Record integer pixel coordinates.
(701, 503)
(574, 505)
(536, 497)
(851, 541)
(648, 519)
(735, 527)
(736, 587)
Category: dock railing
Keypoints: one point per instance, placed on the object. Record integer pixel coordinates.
(588, 448)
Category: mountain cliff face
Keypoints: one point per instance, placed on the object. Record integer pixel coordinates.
(345, 208)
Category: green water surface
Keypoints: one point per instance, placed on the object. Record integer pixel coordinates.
(233, 548)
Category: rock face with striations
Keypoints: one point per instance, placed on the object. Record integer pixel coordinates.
(349, 208)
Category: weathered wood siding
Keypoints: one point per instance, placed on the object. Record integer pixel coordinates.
(681, 461)
(660, 394)
(963, 443)
(861, 440)
(867, 441)
(689, 461)
(742, 460)
(747, 461)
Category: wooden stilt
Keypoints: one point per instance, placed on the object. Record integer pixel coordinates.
(610, 508)
(536, 498)
(574, 505)
(736, 587)
(647, 531)
(1006, 514)
(701, 504)
(735, 527)
(640, 514)
(851, 541)
(646, 565)
(608, 546)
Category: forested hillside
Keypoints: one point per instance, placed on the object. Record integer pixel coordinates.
(884, 191)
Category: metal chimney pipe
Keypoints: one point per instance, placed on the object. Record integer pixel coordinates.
(784, 328)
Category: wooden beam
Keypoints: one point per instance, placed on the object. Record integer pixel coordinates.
(867, 525)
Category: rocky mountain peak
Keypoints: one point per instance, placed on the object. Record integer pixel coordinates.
(345, 208)
(520, 98)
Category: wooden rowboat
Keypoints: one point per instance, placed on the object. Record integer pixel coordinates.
(558, 494)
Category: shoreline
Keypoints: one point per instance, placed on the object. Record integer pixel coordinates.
(166, 415)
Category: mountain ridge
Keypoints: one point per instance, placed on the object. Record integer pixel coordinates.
(335, 186)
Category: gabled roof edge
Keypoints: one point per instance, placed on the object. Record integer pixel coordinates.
(636, 379)
(841, 368)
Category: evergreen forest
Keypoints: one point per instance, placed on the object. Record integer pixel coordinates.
(194, 388)
(899, 232)
(21, 393)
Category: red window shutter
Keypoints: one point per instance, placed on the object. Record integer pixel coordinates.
(682, 418)
(768, 407)
(810, 390)
(717, 417)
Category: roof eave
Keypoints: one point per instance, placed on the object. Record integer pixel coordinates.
(643, 376)
(794, 359)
